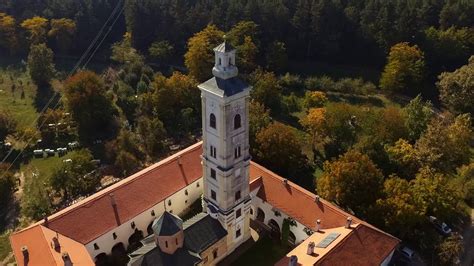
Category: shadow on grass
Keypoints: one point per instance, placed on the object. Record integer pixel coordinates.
(356, 99)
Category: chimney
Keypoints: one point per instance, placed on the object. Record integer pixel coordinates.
(66, 259)
(348, 222)
(55, 244)
(310, 249)
(316, 199)
(26, 255)
(46, 221)
(293, 261)
(318, 225)
(114, 207)
(179, 160)
(285, 181)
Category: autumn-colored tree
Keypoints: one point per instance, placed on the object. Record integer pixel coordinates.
(457, 89)
(465, 180)
(40, 64)
(314, 99)
(37, 28)
(446, 144)
(62, 30)
(259, 118)
(418, 114)
(279, 149)
(90, 106)
(8, 33)
(199, 58)
(353, 181)
(451, 249)
(315, 124)
(266, 90)
(403, 155)
(244, 37)
(124, 152)
(77, 177)
(342, 121)
(404, 70)
(400, 211)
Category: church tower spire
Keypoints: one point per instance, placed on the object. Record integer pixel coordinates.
(226, 157)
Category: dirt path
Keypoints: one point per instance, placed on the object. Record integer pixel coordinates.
(468, 257)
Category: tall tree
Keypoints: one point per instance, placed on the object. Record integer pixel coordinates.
(266, 90)
(7, 124)
(199, 58)
(346, 180)
(418, 114)
(36, 28)
(63, 30)
(8, 33)
(90, 106)
(40, 64)
(457, 89)
(404, 70)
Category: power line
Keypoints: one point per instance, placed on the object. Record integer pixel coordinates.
(73, 70)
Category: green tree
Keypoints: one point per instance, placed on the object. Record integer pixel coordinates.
(259, 118)
(199, 58)
(7, 187)
(404, 70)
(457, 89)
(346, 181)
(418, 114)
(242, 30)
(36, 28)
(36, 202)
(76, 178)
(266, 90)
(90, 106)
(40, 64)
(7, 124)
(160, 50)
(278, 148)
(277, 58)
(465, 180)
(405, 158)
(123, 51)
(152, 134)
(314, 99)
(124, 152)
(63, 30)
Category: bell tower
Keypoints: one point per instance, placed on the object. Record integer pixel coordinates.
(226, 158)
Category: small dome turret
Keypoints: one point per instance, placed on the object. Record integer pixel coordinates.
(168, 231)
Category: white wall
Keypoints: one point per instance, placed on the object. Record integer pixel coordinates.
(270, 214)
(179, 203)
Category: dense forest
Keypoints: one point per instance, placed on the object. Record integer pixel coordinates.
(370, 101)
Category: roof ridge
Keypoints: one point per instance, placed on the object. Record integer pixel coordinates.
(106, 191)
(41, 227)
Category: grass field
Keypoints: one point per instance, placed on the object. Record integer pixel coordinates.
(43, 166)
(263, 252)
(22, 110)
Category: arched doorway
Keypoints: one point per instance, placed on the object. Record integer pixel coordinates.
(134, 240)
(260, 215)
(275, 229)
(101, 260)
(119, 255)
(291, 239)
(149, 229)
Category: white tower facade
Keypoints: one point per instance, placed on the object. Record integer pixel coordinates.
(226, 157)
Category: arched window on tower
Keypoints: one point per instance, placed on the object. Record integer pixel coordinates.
(212, 121)
(237, 121)
(220, 61)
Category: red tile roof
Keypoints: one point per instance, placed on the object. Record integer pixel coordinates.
(40, 251)
(365, 246)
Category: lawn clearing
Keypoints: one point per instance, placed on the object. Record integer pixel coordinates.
(264, 252)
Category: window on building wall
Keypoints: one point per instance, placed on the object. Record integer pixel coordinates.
(237, 121)
(114, 235)
(169, 202)
(214, 254)
(220, 61)
(197, 184)
(213, 151)
(213, 195)
(152, 212)
(166, 243)
(176, 239)
(251, 211)
(186, 192)
(237, 233)
(132, 225)
(237, 195)
(237, 152)
(96, 247)
(238, 213)
(213, 173)
(212, 121)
